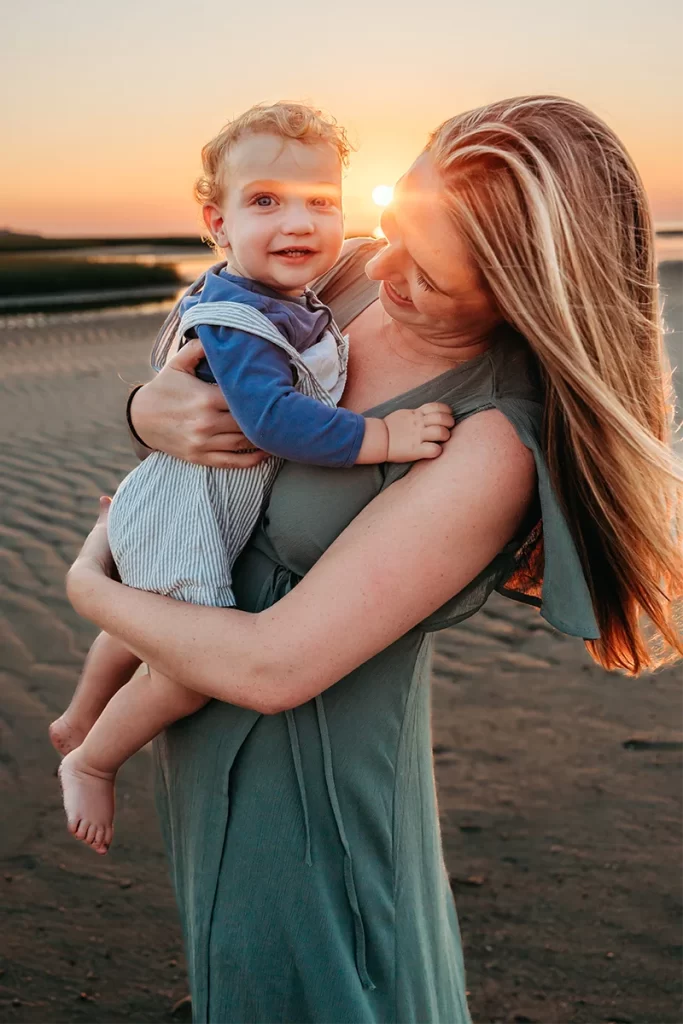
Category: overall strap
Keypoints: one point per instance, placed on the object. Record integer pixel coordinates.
(245, 318)
(238, 316)
(169, 329)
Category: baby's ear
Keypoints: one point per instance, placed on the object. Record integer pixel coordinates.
(213, 218)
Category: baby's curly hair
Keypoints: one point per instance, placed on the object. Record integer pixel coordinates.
(288, 120)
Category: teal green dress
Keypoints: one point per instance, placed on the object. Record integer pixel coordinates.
(305, 847)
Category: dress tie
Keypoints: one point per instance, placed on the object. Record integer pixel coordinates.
(351, 894)
(298, 768)
(280, 583)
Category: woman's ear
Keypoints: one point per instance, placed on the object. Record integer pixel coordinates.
(213, 218)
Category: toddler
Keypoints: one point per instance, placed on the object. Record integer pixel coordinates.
(271, 197)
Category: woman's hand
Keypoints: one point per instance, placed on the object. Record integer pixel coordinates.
(94, 560)
(183, 416)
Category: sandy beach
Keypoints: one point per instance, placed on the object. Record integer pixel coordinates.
(559, 785)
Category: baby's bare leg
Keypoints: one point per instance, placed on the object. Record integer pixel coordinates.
(136, 714)
(107, 668)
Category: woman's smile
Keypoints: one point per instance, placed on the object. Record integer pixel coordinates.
(395, 295)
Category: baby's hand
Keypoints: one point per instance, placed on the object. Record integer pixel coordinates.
(416, 433)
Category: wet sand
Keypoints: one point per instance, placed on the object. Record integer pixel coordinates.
(562, 835)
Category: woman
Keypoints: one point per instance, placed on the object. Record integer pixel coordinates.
(518, 285)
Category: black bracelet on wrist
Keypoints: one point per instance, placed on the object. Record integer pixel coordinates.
(129, 418)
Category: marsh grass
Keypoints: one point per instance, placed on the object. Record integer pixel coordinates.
(13, 241)
(21, 276)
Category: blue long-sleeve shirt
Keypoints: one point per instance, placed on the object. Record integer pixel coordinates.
(257, 379)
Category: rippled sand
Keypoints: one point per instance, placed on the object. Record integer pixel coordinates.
(563, 844)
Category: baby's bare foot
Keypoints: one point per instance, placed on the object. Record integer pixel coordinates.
(66, 735)
(88, 801)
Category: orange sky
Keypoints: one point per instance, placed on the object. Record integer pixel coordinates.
(110, 103)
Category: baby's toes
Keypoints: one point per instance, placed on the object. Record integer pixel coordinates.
(82, 830)
(90, 834)
(102, 840)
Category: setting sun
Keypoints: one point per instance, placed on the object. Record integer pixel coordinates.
(382, 194)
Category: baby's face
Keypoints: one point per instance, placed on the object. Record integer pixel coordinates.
(280, 221)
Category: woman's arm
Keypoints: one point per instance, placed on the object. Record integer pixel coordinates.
(411, 549)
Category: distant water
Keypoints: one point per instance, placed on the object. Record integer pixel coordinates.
(670, 247)
(191, 262)
(188, 262)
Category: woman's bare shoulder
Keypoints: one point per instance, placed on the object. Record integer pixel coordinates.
(484, 453)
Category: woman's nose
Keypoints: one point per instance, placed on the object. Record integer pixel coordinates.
(381, 266)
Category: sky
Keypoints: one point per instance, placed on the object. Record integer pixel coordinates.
(110, 103)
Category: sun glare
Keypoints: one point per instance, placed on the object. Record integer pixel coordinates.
(382, 194)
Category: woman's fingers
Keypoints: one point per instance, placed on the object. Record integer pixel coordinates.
(105, 505)
(224, 451)
(231, 441)
(188, 357)
(96, 550)
(177, 413)
(185, 417)
(233, 460)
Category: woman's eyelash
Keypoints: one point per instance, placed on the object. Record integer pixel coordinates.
(424, 284)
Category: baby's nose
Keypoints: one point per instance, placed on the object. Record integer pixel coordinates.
(297, 221)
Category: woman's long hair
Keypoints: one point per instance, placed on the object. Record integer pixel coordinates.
(558, 222)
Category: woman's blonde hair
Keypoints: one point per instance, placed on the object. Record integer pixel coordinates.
(557, 220)
(288, 120)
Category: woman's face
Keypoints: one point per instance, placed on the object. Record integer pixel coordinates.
(430, 283)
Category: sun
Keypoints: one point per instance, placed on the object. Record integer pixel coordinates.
(382, 194)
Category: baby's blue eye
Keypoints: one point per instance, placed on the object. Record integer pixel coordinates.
(264, 201)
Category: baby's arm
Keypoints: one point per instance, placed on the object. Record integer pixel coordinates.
(407, 434)
(256, 378)
(108, 666)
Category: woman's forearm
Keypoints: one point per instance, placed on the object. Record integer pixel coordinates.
(214, 651)
(438, 528)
